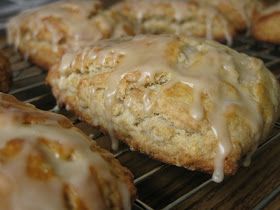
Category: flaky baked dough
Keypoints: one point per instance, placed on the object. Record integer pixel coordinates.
(167, 131)
(189, 18)
(265, 22)
(47, 163)
(5, 74)
(44, 34)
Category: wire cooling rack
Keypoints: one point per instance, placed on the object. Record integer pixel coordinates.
(162, 186)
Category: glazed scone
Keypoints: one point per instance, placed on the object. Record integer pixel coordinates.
(46, 33)
(188, 18)
(265, 22)
(47, 163)
(184, 101)
(5, 74)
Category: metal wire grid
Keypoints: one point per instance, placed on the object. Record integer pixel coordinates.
(29, 86)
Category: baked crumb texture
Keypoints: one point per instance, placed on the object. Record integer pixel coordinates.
(45, 161)
(184, 101)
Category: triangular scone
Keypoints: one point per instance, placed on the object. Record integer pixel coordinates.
(47, 163)
(188, 18)
(184, 101)
(44, 34)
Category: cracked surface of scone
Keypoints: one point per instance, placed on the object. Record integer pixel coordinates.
(47, 163)
(43, 34)
(5, 73)
(184, 101)
(189, 18)
(265, 22)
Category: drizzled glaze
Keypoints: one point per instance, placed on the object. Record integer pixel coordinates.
(205, 68)
(73, 14)
(18, 189)
(182, 11)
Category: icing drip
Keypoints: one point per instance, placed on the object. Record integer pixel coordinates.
(203, 66)
(18, 188)
(196, 109)
(55, 109)
(226, 32)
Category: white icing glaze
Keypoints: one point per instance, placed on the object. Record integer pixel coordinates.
(205, 70)
(19, 191)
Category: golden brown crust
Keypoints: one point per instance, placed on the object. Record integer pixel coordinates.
(265, 23)
(105, 174)
(168, 133)
(5, 74)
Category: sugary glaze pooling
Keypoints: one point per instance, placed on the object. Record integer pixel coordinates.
(193, 14)
(203, 66)
(45, 164)
(74, 16)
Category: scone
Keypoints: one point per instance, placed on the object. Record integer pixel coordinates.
(46, 163)
(265, 22)
(46, 33)
(238, 12)
(5, 74)
(184, 101)
(188, 18)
